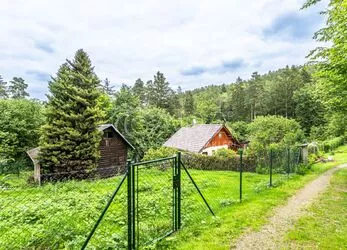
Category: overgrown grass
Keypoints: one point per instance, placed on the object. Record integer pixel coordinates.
(325, 226)
(60, 215)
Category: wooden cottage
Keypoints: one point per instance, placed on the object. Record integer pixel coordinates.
(203, 139)
(113, 154)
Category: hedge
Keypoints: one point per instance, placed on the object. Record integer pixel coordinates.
(203, 162)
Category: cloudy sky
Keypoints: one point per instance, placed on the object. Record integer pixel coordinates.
(194, 43)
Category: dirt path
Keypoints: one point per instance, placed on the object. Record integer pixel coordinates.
(271, 235)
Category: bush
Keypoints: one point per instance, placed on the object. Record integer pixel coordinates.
(158, 153)
(225, 153)
(274, 130)
(330, 145)
(204, 162)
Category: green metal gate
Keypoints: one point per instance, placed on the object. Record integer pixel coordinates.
(154, 197)
(153, 200)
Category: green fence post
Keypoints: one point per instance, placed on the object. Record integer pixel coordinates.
(179, 190)
(131, 210)
(288, 161)
(271, 162)
(241, 169)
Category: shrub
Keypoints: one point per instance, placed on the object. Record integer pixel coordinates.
(225, 153)
(158, 153)
(332, 144)
(204, 162)
(267, 130)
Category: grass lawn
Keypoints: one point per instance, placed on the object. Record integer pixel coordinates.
(222, 232)
(325, 226)
(60, 215)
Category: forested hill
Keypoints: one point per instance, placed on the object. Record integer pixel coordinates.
(153, 110)
(287, 92)
(275, 93)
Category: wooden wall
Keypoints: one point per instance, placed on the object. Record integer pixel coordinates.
(221, 138)
(113, 154)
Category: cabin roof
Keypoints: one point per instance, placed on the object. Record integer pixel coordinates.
(106, 126)
(195, 138)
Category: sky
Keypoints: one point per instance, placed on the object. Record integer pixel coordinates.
(194, 43)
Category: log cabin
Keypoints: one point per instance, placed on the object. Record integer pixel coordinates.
(113, 154)
(203, 139)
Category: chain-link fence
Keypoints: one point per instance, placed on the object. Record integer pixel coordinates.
(134, 210)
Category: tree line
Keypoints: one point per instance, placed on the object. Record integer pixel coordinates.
(311, 98)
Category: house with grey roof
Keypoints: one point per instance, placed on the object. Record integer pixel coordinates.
(203, 139)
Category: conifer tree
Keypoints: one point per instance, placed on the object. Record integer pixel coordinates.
(70, 138)
(159, 92)
(189, 104)
(107, 88)
(139, 90)
(3, 88)
(17, 88)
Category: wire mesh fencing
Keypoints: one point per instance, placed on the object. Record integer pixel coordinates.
(136, 209)
(59, 214)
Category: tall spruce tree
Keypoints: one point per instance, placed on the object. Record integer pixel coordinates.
(3, 88)
(107, 88)
(188, 105)
(70, 138)
(159, 92)
(139, 90)
(17, 88)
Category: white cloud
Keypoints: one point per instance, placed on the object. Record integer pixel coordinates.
(131, 39)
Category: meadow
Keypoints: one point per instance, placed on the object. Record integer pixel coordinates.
(60, 215)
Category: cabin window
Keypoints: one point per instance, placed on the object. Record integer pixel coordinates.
(109, 134)
(220, 135)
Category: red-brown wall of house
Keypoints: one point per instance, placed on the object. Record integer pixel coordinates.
(220, 139)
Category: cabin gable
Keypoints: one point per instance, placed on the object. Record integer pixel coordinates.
(113, 153)
(221, 139)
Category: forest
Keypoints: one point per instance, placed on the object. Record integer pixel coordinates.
(295, 104)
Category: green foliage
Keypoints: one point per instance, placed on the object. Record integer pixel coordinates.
(266, 130)
(139, 90)
(3, 88)
(158, 153)
(309, 110)
(107, 88)
(17, 88)
(240, 130)
(70, 138)
(331, 59)
(159, 92)
(20, 123)
(331, 63)
(225, 153)
(207, 111)
(269, 94)
(145, 127)
(189, 106)
(332, 144)
(228, 162)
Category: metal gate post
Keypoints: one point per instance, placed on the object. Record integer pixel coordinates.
(178, 162)
(131, 206)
